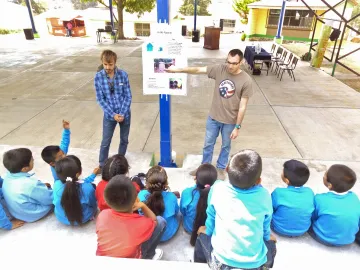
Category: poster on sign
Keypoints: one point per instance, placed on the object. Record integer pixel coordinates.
(160, 51)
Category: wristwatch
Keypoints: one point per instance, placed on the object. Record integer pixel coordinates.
(237, 126)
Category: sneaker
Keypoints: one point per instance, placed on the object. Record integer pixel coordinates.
(158, 254)
(193, 172)
(221, 174)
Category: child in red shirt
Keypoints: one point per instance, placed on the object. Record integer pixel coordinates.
(115, 165)
(120, 232)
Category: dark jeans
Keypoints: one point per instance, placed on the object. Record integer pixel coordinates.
(148, 247)
(68, 32)
(108, 132)
(203, 254)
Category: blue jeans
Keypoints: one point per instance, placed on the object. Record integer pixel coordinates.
(148, 247)
(108, 132)
(213, 128)
(203, 254)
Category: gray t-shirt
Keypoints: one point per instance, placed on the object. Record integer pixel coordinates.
(228, 91)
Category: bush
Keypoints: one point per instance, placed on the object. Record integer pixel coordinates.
(243, 37)
(8, 31)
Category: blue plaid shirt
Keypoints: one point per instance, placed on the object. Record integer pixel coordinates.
(120, 101)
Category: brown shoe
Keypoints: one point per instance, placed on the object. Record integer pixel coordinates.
(193, 172)
(221, 174)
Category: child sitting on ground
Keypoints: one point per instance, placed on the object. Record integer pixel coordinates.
(160, 201)
(74, 200)
(337, 213)
(7, 222)
(26, 197)
(293, 206)
(237, 231)
(53, 153)
(120, 232)
(115, 165)
(206, 176)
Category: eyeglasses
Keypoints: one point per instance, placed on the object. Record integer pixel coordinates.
(231, 63)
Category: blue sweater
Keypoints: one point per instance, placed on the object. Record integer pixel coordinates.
(293, 208)
(336, 218)
(27, 198)
(239, 222)
(64, 146)
(170, 213)
(188, 203)
(87, 200)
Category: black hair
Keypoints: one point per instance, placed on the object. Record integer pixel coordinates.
(138, 179)
(156, 183)
(16, 159)
(68, 168)
(341, 177)
(296, 172)
(206, 176)
(115, 165)
(238, 52)
(245, 169)
(48, 154)
(120, 193)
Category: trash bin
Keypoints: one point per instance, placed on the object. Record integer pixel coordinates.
(183, 30)
(212, 38)
(29, 35)
(196, 36)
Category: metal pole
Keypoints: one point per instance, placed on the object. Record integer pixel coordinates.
(281, 19)
(195, 13)
(165, 102)
(28, 4)
(111, 16)
(313, 35)
(338, 52)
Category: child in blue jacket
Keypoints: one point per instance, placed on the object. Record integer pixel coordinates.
(26, 197)
(74, 200)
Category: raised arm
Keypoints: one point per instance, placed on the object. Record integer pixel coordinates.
(189, 70)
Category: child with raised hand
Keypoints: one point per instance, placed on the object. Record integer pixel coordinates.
(293, 206)
(27, 198)
(206, 175)
(53, 153)
(7, 222)
(74, 200)
(162, 202)
(337, 212)
(122, 233)
(237, 231)
(115, 165)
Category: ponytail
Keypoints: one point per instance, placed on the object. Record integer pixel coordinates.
(201, 215)
(67, 170)
(156, 183)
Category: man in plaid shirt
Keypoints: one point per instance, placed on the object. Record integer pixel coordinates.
(114, 97)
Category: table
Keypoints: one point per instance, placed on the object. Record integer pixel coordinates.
(251, 56)
(99, 31)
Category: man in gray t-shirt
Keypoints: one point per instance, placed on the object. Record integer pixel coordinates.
(233, 88)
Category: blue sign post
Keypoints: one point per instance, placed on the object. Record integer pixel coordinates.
(28, 4)
(281, 20)
(165, 102)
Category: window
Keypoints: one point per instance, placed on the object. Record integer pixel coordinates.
(229, 23)
(293, 18)
(142, 29)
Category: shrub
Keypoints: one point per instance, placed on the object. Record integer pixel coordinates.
(243, 37)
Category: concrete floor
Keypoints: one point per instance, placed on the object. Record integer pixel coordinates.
(315, 118)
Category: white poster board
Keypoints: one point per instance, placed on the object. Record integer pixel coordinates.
(160, 51)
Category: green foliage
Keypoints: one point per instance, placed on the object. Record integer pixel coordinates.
(138, 6)
(37, 6)
(8, 31)
(187, 8)
(243, 37)
(241, 7)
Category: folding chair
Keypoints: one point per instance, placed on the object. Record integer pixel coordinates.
(289, 68)
(282, 63)
(281, 59)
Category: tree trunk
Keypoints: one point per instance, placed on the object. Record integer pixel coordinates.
(120, 9)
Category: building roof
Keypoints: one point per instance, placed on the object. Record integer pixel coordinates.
(314, 4)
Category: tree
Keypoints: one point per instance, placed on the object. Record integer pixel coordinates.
(241, 8)
(356, 23)
(131, 6)
(78, 4)
(187, 8)
(37, 6)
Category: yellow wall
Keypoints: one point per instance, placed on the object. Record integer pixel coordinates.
(261, 21)
(318, 26)
(251, 26)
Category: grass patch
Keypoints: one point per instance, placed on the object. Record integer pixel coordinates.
(8, 31)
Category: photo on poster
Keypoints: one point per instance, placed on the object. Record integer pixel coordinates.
(175, 83)
(160, 64)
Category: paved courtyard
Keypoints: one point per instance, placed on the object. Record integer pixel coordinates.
(316, 118)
